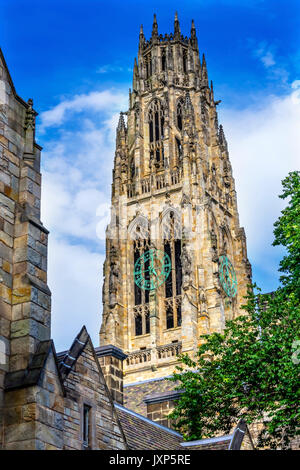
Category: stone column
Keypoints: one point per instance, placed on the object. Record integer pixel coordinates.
(111, 360)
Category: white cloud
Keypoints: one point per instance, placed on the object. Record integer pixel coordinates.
(108, 68)
(104, 101)
(265, 54)
(75, 279)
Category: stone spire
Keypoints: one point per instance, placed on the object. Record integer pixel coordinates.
(141, 38)
(204, 75)
(121, 123)
(154, 28)
(177, 31)
(222, 138)
(135, 75)
(194, 41)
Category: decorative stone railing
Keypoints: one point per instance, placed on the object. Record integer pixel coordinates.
(138, 357)
(169, 350)
(146, 185)
(175, 177)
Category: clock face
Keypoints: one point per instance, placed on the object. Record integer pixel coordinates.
(227, 276)
(152, 269)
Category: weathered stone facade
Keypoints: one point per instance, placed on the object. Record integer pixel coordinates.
(173, 191)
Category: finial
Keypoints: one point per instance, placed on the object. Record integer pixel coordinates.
(30, 117)
(204, 75)
(142, 38)
(121, 123)
(176, 27)
(222, 137)
(194, 41)
(154, 27)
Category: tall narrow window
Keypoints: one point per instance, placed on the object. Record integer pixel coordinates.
(179, 114)
(172, 248)
(184, 60)
(138, 325)
(163, 60)
(178, 149)
(141, 244)
(86, 426)
(156, 133)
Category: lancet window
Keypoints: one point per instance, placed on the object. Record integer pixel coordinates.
(141, 244)
(172, 247)
(156, 133)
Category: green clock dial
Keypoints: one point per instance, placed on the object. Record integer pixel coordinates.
(227, 276)
(152, 269)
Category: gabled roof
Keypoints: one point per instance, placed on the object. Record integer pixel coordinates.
(143, 434)
(30, 376)
(68, 358)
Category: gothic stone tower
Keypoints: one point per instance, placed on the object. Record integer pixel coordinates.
(172, 191)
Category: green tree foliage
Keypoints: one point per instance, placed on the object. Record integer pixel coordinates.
(251, 370)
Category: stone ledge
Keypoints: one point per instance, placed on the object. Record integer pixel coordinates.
(110, 350)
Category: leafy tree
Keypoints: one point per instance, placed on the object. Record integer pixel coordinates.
(251, 370)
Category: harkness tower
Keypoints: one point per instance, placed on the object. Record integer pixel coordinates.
(174, 213)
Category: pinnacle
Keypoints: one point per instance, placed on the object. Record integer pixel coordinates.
(121, 124)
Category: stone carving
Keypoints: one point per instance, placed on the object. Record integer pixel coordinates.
(30, 116)
(113, 277)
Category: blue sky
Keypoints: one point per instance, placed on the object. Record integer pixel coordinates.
(75, 59)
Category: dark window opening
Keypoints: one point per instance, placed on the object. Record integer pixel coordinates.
(156, 126)
(138, 325)
(162, 121)
(179, 148)
(151, 130)
(163, 60)
(86, 425)
(179, 116)
(168, 283)
(184, 60)
(178, 267)
(170, 317)
(147, 323)
(179, 315)
(157, 155)
(137, 289)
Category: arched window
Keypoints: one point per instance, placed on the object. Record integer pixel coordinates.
(156, 133)
(178, 149)
(163, 60)
(172, 247)
(138, 325)
(140, 234)
(184, 60)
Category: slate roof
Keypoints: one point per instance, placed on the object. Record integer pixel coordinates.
(143, 434)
